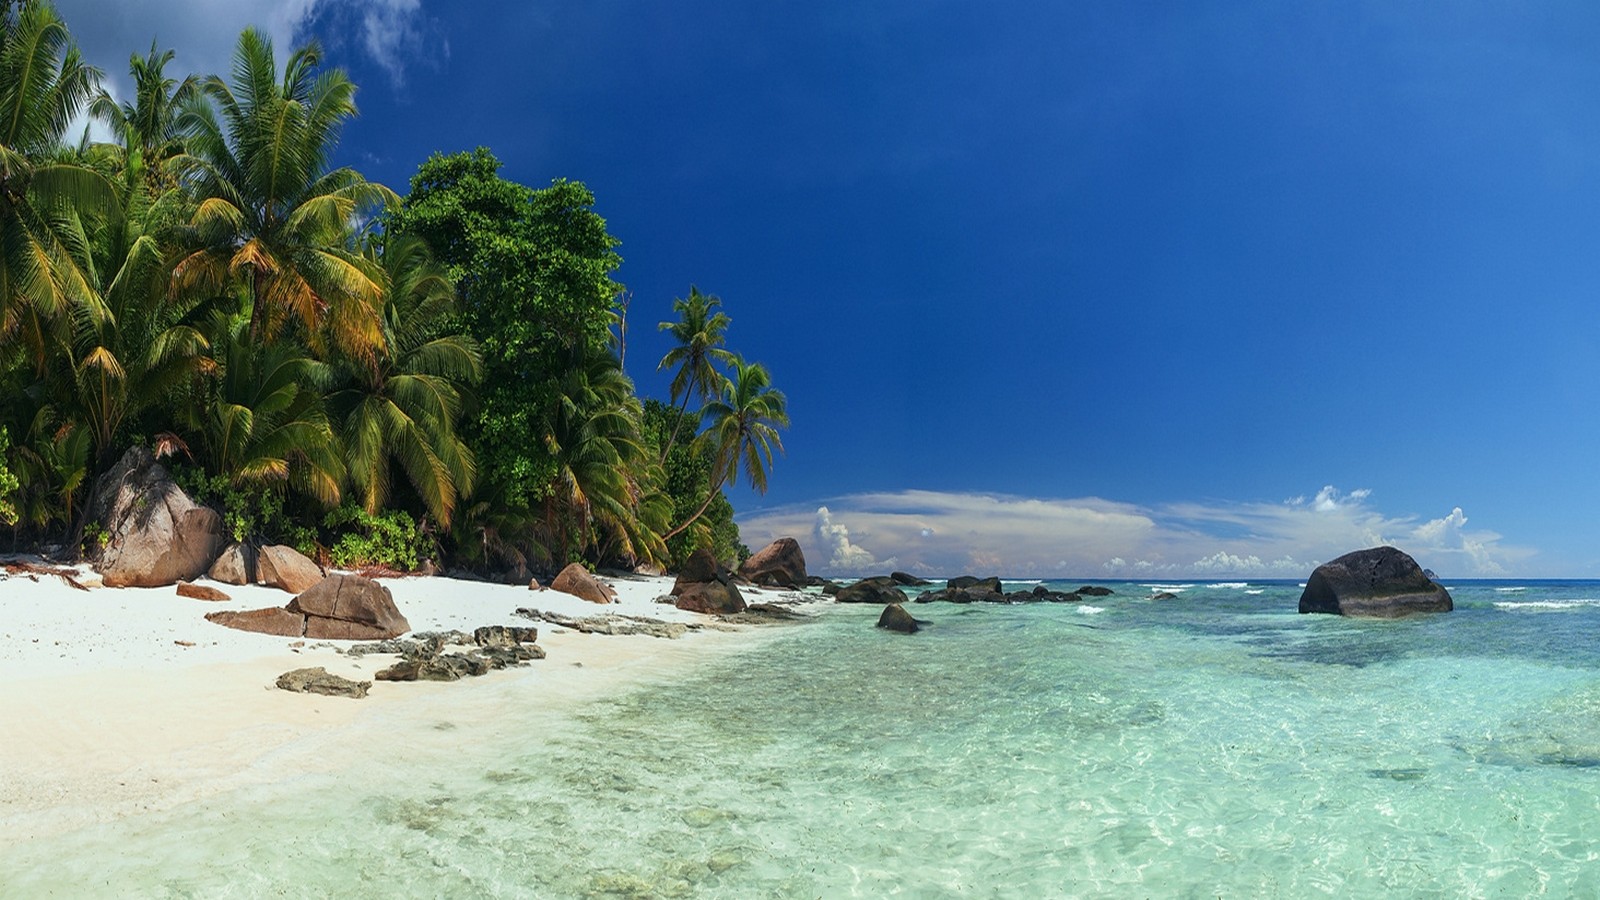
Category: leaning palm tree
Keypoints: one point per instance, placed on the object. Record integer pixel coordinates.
(46, 274)
(270, 215)
(742, 428)
(699, 336)
(403, 402)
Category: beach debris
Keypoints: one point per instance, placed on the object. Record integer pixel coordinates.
(895, 618)
(200, 592)
(880, 589)
(577, 581)
(156, 534)
(1381, 582)
(235, 565)
(33, 570)
(779, 564)
(184, 643)
(287, 568)
(317, 680)
(612, 624)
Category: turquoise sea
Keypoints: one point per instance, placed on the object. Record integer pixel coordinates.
(1216, 744)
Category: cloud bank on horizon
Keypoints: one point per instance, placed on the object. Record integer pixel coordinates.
(940, 533)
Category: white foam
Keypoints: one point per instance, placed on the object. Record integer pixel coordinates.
(1229, 585)
(1091, 610)
(1169, 588)
(1257, 591)
(1540, 605)
(1509, 590)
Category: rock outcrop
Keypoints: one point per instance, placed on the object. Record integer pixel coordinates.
(1382, 582)
(424, 658)
(349, 607)
(704, 586)
(577, 581)
(611, 624)
(286, 568)
(272, 620)
(340, 607)
(779, 564)
(156, 534)
(235, 565)
(895, 618)
(317, 680)
(909, 580)
(880, 589)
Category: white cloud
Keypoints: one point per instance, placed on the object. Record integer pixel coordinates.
(204, 32)
(843, 556)
(934, 533)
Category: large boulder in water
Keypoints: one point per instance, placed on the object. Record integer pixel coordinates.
(895, 618)
(779, 564)
(881, 589)
(1382, 582)
(350, 608)
(156, 535)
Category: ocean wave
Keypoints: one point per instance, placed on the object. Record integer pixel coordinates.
(1022, 581)
(1090, 610)
(1169, 588)
(1257, 591)
(1543, 605)
(1229, 585)
(1509, 590)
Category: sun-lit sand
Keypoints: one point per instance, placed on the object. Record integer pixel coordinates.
(118, 701)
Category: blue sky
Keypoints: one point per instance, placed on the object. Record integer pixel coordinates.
(1177, 290)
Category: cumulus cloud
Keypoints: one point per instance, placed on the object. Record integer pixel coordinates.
(843, 556)
(935, 533)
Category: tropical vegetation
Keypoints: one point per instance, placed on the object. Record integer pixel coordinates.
(381, 380)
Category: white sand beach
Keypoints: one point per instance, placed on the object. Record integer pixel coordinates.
(122, 701)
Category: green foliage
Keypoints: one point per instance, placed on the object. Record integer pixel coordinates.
(8, 484)
(390, 539)
(533, 270)
(686, 482)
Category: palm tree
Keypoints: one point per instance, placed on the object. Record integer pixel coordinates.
(148, 126)
(699, 335)
(742, 428)
(594, 439)
(270, 216)
(262, 422)
(403, 402)
(45, 269)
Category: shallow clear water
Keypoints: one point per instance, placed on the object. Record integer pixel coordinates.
(1217, 743)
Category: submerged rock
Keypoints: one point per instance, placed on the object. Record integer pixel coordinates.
(1382, 582)
(895, 618)
(317, 680)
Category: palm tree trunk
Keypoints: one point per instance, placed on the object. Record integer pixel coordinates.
(677, 423)
(711, 494)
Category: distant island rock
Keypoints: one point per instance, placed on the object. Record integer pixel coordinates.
(1381, 582)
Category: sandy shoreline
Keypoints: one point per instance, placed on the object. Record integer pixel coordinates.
(108, 715)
